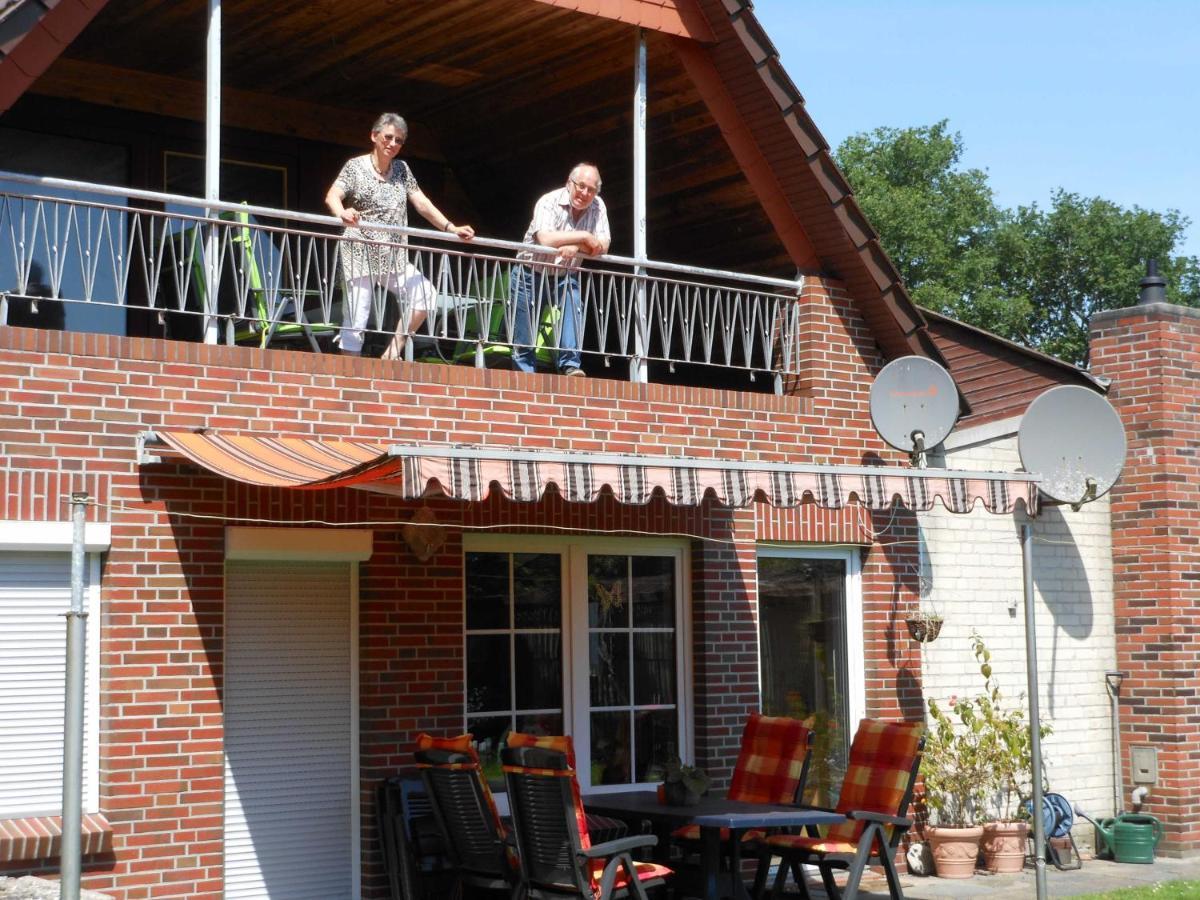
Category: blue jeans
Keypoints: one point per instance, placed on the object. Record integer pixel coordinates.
(531, 290)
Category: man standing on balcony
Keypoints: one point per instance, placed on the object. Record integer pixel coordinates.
(573, 220)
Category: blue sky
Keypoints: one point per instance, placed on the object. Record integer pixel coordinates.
(1101, 98)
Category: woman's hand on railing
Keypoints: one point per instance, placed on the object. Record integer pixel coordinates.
(349, 215)
(466, 232)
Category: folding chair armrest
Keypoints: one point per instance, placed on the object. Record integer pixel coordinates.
(621, 845)
(881, 818)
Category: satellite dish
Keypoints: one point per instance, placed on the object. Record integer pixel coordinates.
(1074, 439)
(914, 404)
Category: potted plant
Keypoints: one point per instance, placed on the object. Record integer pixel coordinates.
(683, 785)
(924, 626)
(954, 771)
(1005, 738)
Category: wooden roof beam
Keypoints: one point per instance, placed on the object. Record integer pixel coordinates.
(168, 96)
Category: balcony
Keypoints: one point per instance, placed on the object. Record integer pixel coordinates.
(90, 257)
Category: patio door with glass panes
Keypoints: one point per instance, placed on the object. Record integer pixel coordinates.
(811, 652)
(581, 638)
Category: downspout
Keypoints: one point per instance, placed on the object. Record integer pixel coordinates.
(1035, 720)
(71, 861)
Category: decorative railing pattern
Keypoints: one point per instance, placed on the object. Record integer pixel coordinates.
(233, 273)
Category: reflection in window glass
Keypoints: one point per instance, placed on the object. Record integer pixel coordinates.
(632, 656)
(608, 591)
(802, 647)
(65, 246)
(513, 646)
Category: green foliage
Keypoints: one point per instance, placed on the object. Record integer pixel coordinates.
(1032, 275)
(694, 779)
(978, 768)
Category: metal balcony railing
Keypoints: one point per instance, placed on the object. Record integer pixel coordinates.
(231, 273)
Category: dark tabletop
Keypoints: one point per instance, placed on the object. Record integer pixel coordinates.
(713, 811)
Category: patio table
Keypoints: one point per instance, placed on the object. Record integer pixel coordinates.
(714, 812)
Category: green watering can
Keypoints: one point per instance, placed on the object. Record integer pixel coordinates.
(1131, 837)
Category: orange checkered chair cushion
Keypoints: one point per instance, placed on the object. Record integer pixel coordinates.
(878, 776)
(771, 760)
(769, 767)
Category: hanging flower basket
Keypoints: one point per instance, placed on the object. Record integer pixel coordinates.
(924, 627)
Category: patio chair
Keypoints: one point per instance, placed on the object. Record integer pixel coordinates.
(876, 792)
(772, 767)
(476, 841)
(262, 325)
(557, 856)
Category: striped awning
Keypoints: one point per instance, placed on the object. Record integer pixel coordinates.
(472, 473)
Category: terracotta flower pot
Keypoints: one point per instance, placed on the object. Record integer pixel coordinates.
(955, 850)
(1004, 845)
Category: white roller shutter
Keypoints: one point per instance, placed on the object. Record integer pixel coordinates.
(35, 591)
(291, 766)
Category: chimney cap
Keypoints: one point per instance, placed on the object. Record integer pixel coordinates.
(1153, 286)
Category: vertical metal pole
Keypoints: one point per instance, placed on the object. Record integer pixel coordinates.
(1035, 718)
(212, 164)
(1113, 680)
(71, 863)
(637, 366)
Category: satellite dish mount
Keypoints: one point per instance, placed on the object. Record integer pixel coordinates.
(914, 405)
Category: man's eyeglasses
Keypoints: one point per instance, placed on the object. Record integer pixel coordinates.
(584, 188)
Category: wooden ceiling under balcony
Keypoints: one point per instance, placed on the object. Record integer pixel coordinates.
(507, 93)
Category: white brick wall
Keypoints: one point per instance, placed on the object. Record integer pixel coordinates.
(972, 576)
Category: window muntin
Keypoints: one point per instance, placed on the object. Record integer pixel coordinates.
(617, 635)
(513, 647)
(632, 645)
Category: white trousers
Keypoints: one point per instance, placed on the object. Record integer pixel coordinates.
(412, 289)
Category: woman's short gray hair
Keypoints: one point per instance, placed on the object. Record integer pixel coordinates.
(395, 120)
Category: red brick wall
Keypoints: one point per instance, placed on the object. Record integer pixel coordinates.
(1153, 356)
(71, 406)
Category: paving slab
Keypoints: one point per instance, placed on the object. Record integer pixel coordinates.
(1096, 876)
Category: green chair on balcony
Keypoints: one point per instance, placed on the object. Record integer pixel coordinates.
(262, 326)
(486, 333)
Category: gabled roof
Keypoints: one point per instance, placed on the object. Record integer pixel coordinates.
(999, 378)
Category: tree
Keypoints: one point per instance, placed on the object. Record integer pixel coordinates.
(1031, 275)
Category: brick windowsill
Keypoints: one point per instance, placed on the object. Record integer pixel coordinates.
(40, 837)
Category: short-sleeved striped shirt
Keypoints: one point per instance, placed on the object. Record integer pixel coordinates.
(553, 213)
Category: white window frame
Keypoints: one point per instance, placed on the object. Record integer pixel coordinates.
(58, 537)
(856, 690)
(574, 552)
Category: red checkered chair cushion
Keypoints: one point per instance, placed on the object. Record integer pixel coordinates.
(769, 766)
(878, 776)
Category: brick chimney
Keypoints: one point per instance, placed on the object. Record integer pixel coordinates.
(1151, 352)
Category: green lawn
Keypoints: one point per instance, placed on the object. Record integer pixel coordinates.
(1167, 890)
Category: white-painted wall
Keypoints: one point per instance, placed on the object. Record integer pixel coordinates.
(971, 574)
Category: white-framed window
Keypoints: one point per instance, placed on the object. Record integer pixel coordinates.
(811, 660)
(35, 592)
(583, 637)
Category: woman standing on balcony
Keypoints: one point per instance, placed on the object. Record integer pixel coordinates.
(377, 188)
